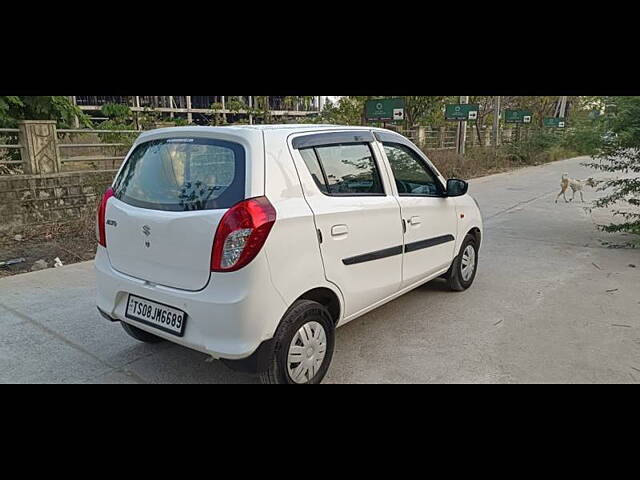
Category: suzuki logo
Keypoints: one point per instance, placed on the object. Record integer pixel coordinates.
(146, 230)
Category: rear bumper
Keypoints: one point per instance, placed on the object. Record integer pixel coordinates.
(229, 319)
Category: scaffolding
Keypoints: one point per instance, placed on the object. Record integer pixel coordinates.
(196, 109)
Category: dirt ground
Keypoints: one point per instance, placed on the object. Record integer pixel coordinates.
(68, 246)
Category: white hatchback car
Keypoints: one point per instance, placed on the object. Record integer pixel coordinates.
(253, 243)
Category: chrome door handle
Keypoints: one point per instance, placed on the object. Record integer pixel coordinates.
(415, 221)
(339, 230)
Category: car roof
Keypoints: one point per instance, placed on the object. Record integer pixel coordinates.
(239, 129)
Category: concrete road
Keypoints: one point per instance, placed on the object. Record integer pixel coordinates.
(551, 303)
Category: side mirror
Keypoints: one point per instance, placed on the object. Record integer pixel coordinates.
(456, 187)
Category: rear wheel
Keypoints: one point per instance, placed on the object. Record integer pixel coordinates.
(463, 269)
(140, 334)
(304, 345)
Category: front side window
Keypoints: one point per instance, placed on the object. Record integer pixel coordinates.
(413, 177)
(345, 169)
(180, 174)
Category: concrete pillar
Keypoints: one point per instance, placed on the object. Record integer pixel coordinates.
(40, 152)
(224, 108)
(421, 136)
(189, 114)
(76, 120)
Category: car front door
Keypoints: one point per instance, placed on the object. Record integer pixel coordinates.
(356, 215)
(429, 216)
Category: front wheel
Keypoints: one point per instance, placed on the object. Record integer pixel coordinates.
(304, 345)
(463, 269)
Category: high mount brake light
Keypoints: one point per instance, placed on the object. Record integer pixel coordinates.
(241, 234)
(100, 220)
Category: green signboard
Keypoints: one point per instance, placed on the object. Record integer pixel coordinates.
(517, 116)
(554, 122)
(461, 112)
(384, 109)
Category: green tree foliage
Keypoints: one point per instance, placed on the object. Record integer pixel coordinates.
(58, 108)
(419, 110)
(119, 117)
(618, 150)
(346, 111)
(425, 110)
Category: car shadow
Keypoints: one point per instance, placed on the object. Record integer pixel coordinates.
(172, 363)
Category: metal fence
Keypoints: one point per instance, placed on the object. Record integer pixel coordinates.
(87, 149)
(10, 151)
(432, 138)
(444, 138)
(48, 150)
(79, 149)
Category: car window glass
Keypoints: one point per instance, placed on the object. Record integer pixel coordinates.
(349, 169)
(183, 174)
(311, 160)
(412, 176)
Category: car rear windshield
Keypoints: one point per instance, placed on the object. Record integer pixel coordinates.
(180, 174)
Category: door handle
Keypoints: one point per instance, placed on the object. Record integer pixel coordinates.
(415, 220)
(339, 230)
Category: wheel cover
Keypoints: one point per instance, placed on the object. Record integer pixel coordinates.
(306, 352)
(468, 264)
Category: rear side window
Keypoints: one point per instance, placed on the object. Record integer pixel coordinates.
(180, 174)
(311, 160)
(345, 169)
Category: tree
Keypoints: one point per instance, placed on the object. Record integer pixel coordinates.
(424, 110)
(346, 111)
(618, 150)
(40, 107)
(349, 110)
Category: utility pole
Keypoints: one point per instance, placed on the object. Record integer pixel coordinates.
(462, 130)
(495, 134)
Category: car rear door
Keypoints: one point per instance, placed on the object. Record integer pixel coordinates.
(168, 200)
(429, 216)
(356, 216)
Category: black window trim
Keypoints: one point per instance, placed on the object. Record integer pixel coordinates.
(324, 174)
(332, 138)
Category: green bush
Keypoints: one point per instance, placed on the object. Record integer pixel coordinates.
(533, 146)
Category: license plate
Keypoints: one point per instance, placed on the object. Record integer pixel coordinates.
(158, 315)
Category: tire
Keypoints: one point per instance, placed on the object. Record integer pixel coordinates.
(290, 333)
(459, 277)
(140, 335)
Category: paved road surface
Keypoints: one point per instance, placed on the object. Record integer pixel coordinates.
(550, 304)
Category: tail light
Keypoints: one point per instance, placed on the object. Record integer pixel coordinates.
(100, 220)
(241, 234)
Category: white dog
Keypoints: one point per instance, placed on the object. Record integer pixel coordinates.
(576, 186)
